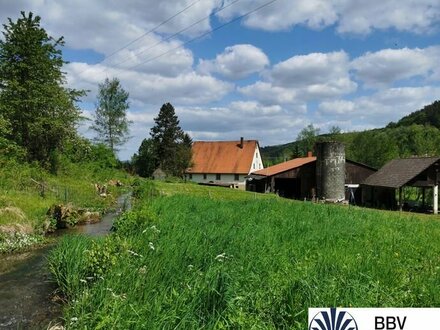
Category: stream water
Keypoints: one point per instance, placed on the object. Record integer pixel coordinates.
(26, 289)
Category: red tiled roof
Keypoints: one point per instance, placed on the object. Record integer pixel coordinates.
(286, 166)
(223, 157)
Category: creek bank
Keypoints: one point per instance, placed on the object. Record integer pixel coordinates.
(27, 299)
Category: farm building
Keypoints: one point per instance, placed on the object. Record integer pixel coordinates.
(224, 163)
(314, 177)
(384, 188)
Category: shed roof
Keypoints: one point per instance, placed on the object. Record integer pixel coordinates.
(224, 157)
(398, 172)
(286, 166)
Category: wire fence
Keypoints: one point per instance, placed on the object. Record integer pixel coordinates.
(62, 193)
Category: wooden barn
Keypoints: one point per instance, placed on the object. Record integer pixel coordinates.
(384, 188)
(296, 179)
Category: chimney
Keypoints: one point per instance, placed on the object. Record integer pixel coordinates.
(241, 143)
(309, 154)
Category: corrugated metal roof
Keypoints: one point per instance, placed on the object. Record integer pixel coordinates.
(398, 172)
(224, 157)
(286, 166)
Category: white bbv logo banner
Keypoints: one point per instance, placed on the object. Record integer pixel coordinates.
(374, 318)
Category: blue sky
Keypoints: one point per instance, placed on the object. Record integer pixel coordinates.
(351, 63)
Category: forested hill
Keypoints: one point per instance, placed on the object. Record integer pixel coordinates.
(417, 134)
(429, 115)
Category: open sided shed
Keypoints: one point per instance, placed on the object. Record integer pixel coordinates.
(296, 178)
(380, 188)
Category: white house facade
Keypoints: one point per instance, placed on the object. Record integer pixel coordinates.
(224, 163)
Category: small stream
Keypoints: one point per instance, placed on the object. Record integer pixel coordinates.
(26, 289)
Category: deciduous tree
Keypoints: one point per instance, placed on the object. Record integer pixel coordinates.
(307, 138)
(40, 110)
(111, 121)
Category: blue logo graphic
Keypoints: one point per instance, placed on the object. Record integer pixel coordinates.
(333, 321)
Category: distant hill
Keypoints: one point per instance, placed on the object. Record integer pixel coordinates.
(417, 134)
(428, 116)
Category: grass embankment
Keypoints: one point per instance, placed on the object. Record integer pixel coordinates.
(198, 257)
(27, 192)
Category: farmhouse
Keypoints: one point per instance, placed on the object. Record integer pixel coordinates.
(224, 163)
(381, 188)
(313, 177)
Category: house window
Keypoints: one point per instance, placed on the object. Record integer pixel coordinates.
(190, 176)
(256, 155)
(254, 166)
(204, 176)
(218, 177)
(236, 177)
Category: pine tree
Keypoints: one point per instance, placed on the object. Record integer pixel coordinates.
(41, 112)
(172, 147)
(111, 121)
(145, 161)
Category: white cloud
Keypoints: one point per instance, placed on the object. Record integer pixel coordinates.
(156, 56)
(253, 108)
(186, 88)
(240, 119)
(236, 62)
(304, 77)
(310, 69)
(282, 15)
(349, 16)
(336, 107)
(386, 66)
(266, 93)
(104, 26)
(404, 15)
(380, 108)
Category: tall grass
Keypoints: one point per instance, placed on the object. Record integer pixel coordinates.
(33, 190)
(185, 261)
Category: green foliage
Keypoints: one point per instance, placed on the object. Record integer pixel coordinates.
(428, 116)
(228, 259)
(27, 191)
(8, 148)
(102, 156)
(306, 139)
(41, 112)
(170, 144)
(68, 264)
(111, 121)
(144, 161)
(374, 148)
(101, 256)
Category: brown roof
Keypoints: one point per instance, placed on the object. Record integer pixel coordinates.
(399, 172)
(286, 166)
(224, 157)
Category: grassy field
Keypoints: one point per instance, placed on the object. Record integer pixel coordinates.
(192, 257)
(27, 192)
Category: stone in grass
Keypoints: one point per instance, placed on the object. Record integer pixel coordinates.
(67, 216)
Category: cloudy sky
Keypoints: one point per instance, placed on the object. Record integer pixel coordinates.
(260, 69)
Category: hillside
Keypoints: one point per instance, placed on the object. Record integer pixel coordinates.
(415, 134)
(428, 116)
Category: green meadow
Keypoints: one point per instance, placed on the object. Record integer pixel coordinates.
(192, 257)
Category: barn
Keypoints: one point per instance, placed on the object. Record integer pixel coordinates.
(384, 189)
(299, 178)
